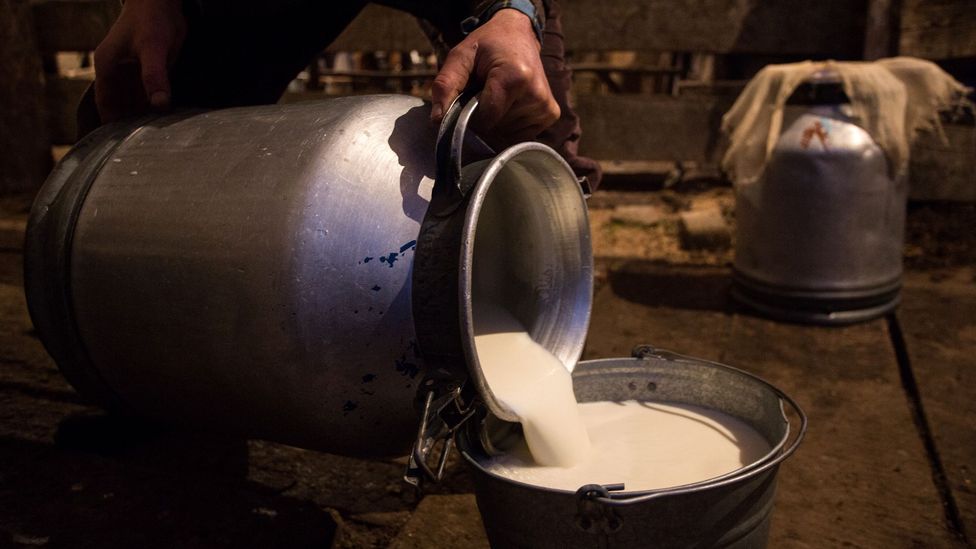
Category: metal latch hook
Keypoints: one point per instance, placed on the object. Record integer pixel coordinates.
(441, 418)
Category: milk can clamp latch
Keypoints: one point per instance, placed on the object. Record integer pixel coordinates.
(446, 408)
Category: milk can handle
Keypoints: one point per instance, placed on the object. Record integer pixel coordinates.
(449, 187)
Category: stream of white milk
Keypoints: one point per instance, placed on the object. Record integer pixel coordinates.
(641, 444)
(533, 384)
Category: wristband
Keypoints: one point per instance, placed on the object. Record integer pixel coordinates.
(524, 6)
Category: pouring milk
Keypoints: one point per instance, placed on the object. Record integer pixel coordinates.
(534, 384)
(567, 445)
(644, 445)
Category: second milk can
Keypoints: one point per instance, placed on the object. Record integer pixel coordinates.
(819, 235)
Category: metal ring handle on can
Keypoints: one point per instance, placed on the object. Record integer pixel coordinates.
(787, 451)
(449, 191)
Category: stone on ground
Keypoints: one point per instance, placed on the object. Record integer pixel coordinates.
(704, 229)
(644, 214)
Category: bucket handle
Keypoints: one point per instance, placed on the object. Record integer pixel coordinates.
(604, 497)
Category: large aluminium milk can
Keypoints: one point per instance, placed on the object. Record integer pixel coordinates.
(293, 272)
(819, 235)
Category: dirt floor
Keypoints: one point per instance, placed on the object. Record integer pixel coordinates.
(887, 462)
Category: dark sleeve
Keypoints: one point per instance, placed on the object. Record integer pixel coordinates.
(446, 16)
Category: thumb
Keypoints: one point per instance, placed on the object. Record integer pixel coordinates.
(451, 80)
(155, 76)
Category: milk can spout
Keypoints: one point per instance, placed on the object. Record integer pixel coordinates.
(516, 223)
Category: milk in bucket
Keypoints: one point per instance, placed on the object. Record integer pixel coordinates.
(643, 445)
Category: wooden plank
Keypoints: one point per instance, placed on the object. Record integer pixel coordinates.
(379, 28)
(652, 127)
(793, 27)
(941, 171)
(73, 25)
(881, 30)
(26, 157)
(789, 27)
(63, 95)
(634, 128)
(937, 321)
(938, 29)
(822, 28)
(830, 27)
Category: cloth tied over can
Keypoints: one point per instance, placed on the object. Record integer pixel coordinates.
(892, 99)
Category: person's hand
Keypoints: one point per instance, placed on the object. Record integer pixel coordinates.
(502, 55)
(132, 63)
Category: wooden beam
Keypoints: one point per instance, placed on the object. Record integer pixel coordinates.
(938, 29)
(796, 27)
(25, 155)
(881, 29)
(652, 127)
(62, 97)
(788, 27)
(944, 171)
(380, 28)
(73, 25)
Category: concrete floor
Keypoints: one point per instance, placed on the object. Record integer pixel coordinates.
(887, 462)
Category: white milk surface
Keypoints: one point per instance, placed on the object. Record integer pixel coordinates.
(643, 445)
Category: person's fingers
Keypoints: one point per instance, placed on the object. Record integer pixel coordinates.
(504, 85)
(514, 109)
(452, 79)
(535, 108)
(155, 75)
(109, 58)
(121, 94)
(518, 129)
(132, 62)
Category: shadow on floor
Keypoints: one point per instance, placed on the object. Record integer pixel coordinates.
(662, 284)
(111, 482)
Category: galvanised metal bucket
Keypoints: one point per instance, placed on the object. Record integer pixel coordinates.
(293, 272)
(819, 235)
(728, 511)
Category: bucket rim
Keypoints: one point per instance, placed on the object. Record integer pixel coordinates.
(607, 494)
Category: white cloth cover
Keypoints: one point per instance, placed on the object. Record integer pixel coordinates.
(892, 99)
